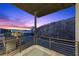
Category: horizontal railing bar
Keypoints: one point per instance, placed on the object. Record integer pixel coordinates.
(59, 43)
(58, 39)
(6, 40)
(62, 43)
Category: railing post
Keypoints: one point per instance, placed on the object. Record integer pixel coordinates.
(4, 41)
(35, 31)
(20, 44)
(49, 43)
(5, 46)
(76, 49)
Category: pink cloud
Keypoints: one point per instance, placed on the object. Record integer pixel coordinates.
(12, 24)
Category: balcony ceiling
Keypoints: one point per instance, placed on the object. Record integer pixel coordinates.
(42, 8)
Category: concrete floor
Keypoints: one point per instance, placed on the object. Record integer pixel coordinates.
(37, 50)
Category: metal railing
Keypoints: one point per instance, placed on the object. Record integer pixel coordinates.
(50, 40)
(20, 45)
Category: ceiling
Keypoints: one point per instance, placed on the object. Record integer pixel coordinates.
(42, 8)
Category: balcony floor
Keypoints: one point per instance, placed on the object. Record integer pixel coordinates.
(37, 50)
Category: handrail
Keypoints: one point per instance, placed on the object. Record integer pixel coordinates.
(60, 43)
(58, 39)
(7, 40)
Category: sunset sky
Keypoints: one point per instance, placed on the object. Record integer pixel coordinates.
(13, 17)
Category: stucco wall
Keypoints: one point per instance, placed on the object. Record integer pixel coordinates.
(77, 28)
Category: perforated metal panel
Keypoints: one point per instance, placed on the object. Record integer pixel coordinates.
(62, 35)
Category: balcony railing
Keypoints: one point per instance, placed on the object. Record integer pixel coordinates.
(64, 46)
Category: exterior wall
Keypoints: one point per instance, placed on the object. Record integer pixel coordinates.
(77, 22)
(77, 28)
